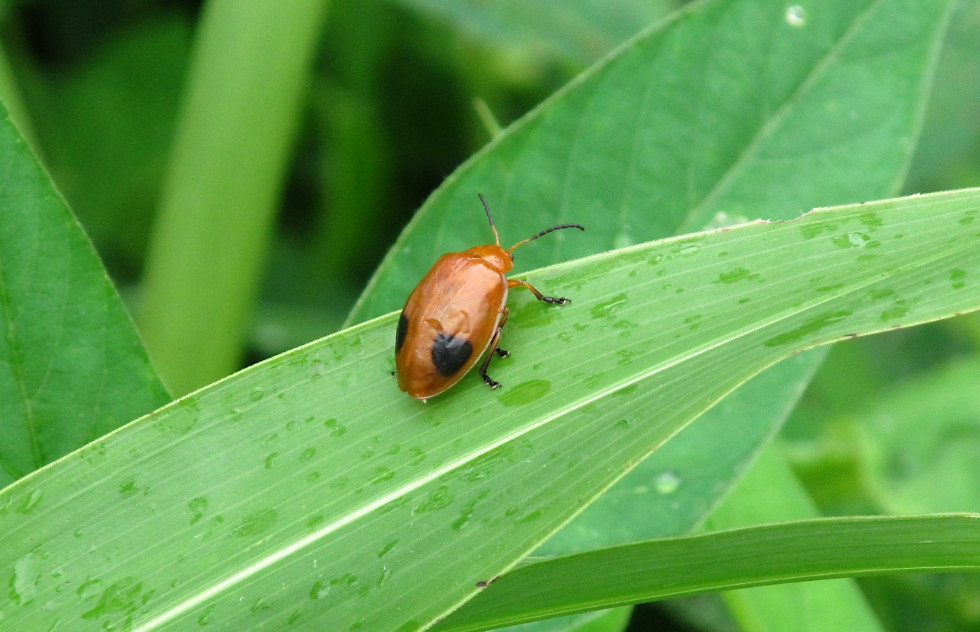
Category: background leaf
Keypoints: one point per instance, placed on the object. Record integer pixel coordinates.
(671, 135)
(71, 365)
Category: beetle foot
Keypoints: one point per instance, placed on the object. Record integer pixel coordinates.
(557, 300)
(492, 383)
(502, 353)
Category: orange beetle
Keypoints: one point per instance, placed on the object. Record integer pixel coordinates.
(455, 314)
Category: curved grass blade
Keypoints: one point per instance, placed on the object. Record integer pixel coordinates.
(740, 558)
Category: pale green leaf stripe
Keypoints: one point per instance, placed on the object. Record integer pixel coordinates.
(309, 489)
(740, 558)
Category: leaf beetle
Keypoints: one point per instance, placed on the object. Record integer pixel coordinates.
(455, 315)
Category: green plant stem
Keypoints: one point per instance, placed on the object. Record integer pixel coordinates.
(235, 131)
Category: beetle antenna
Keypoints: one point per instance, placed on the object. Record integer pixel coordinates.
(496, 237)
(545, 232)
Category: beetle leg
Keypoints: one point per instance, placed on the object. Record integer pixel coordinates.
(494, 348)
(500, 325)
(558, 300)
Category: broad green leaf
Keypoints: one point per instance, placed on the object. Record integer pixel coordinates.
(71, 365)
(731, 110)
(740, 558)
(307, 489)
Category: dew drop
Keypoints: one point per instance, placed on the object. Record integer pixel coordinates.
(608, 308)
(23, 583)
(437, 499)
(957, 277)
(623, 238)
(202, 619)
(319, 591)
(418, 455)
(525, 392)
(387, 548)
(382, 474)
(722, 219)
(314, 521)
(667, 482)
(88, 589)
(30, 502)
(688, 249)
(197, 507)
(796, 16)
(256, 523)
(270, 460)
(530, 517)
(851, 240)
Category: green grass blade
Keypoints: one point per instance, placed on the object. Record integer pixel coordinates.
(741, 558)
(232, 146)
(71, 365)
(309, 489)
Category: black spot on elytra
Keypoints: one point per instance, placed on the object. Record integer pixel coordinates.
(401, 333)
(450, 353)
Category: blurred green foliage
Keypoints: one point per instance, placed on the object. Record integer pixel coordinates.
(390, 112)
